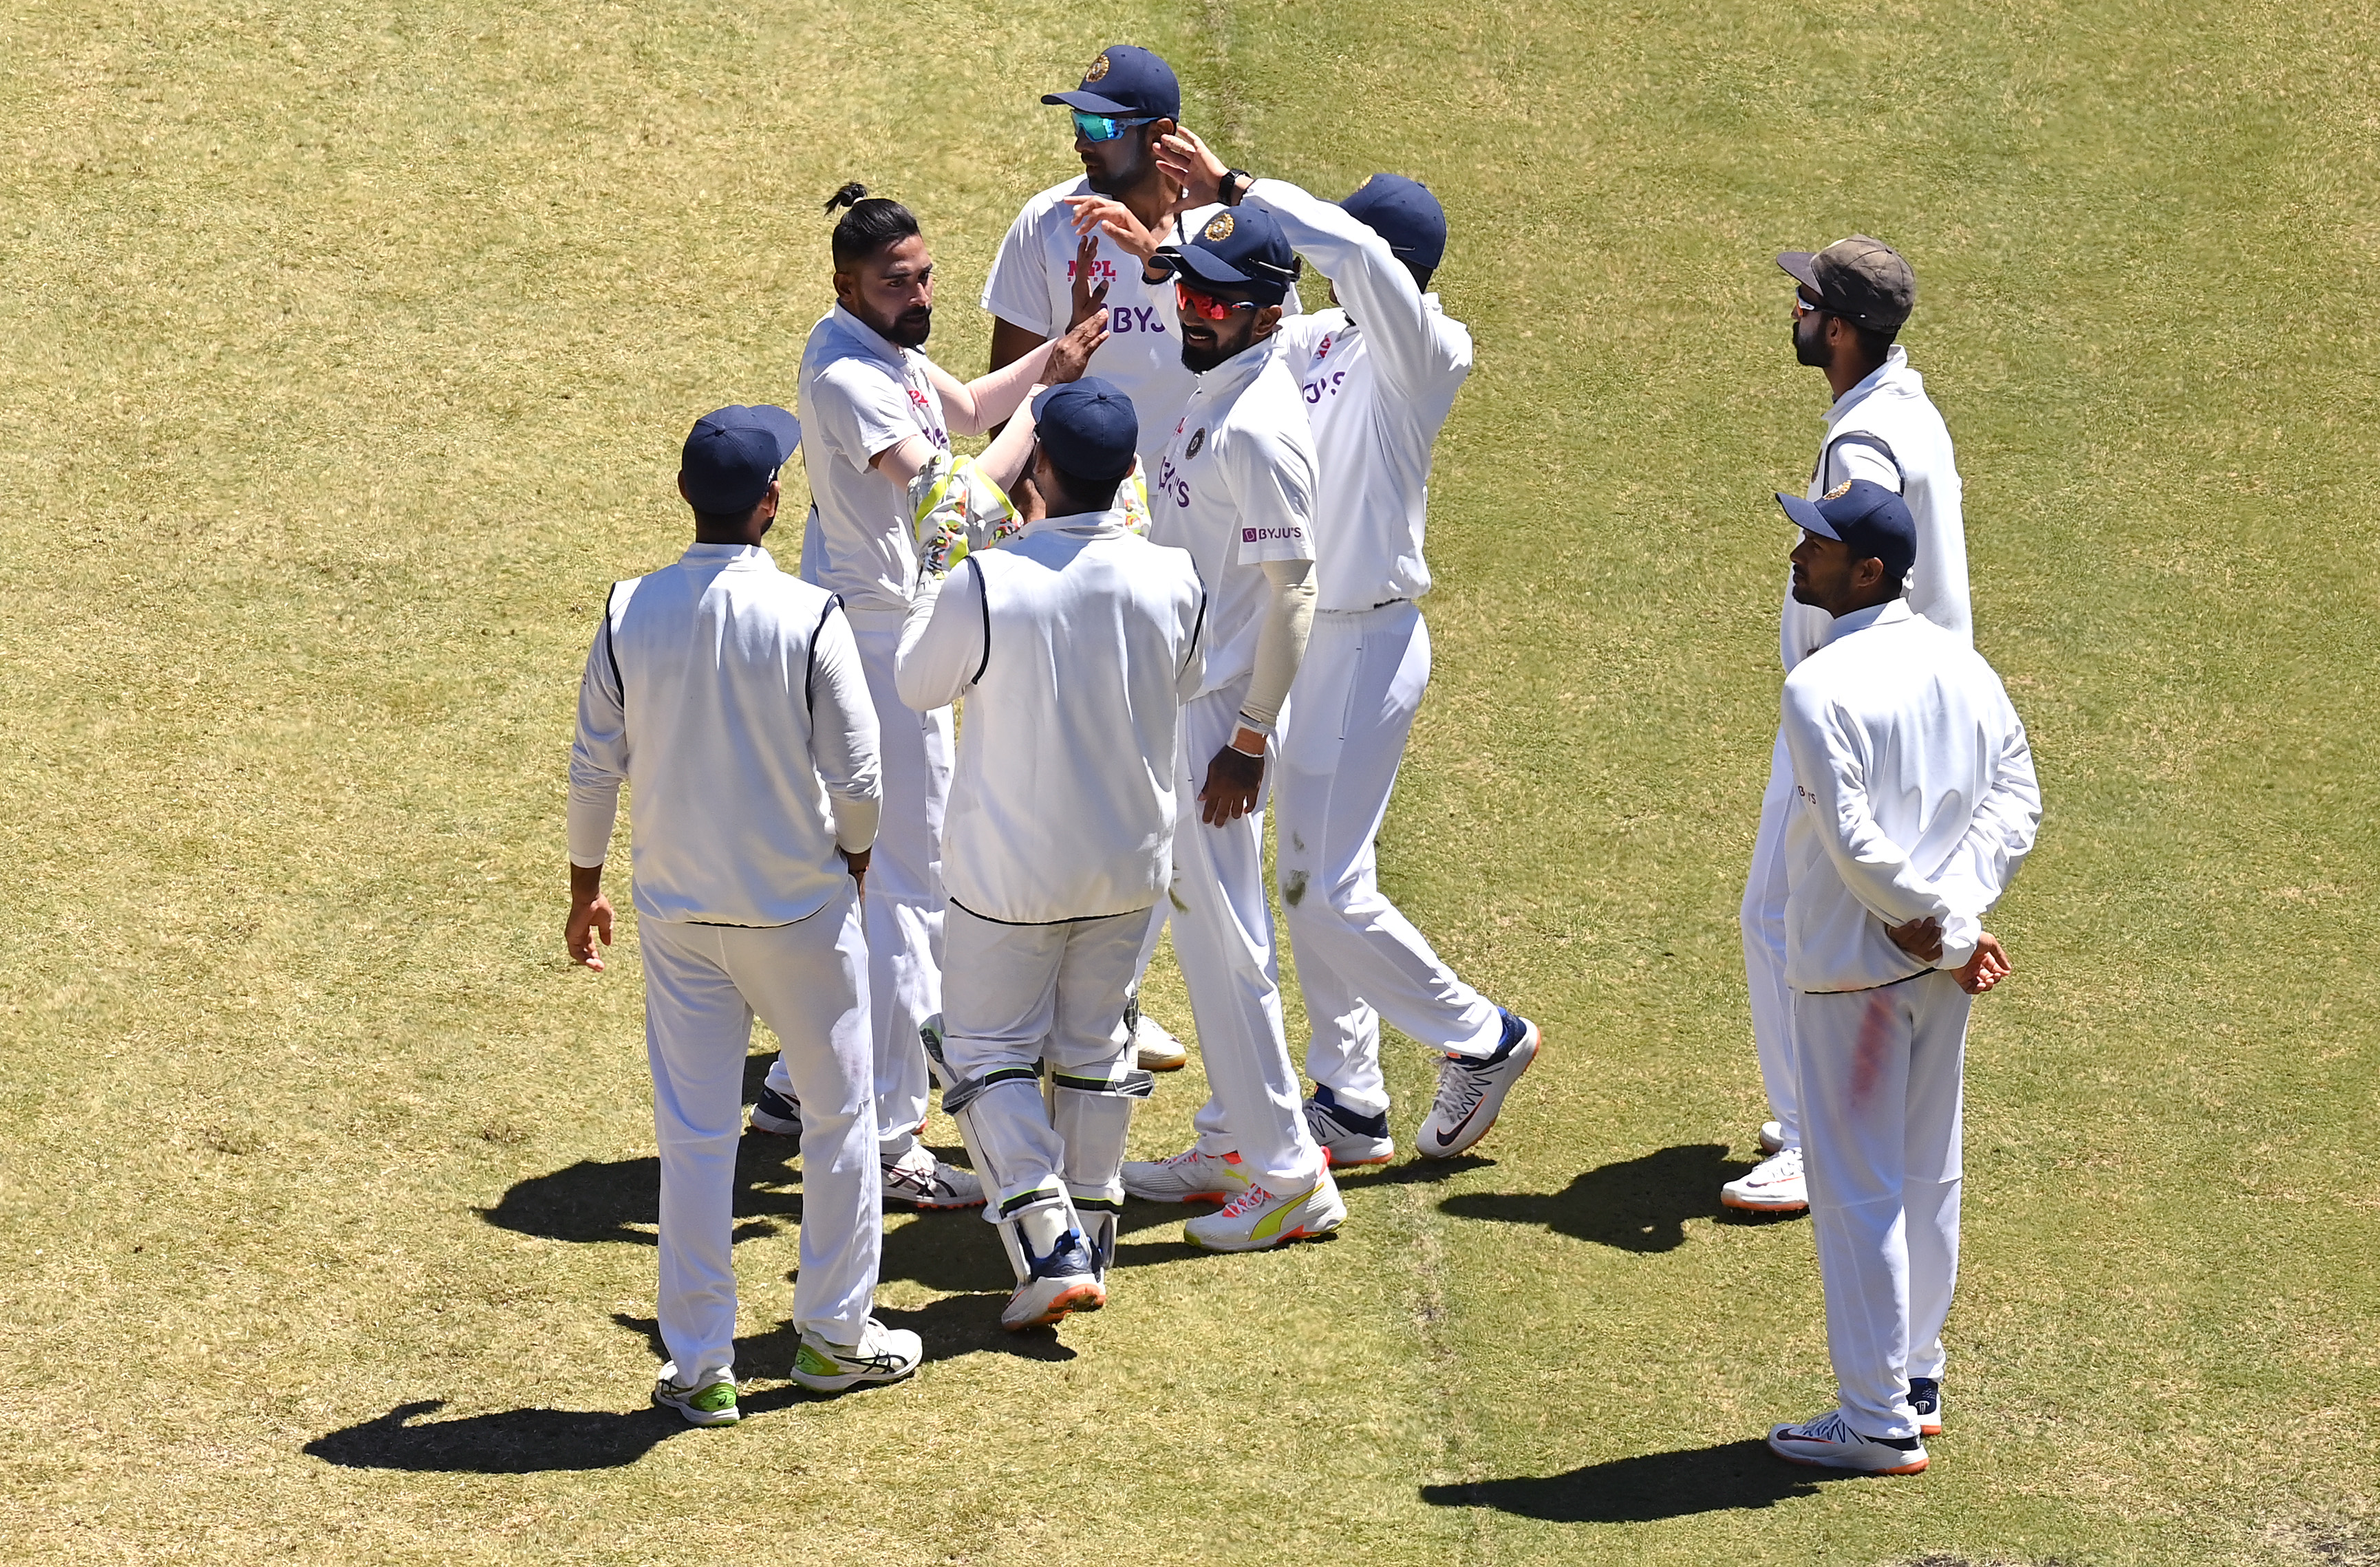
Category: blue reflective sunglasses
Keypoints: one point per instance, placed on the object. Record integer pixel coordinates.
(1103, 127)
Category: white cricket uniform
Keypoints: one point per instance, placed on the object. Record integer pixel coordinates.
(1075, 644)
(1379, 377)
(1236, 487)
(1914, 798)
(1886, 431)
(859, 397)
(728, 697)
(1031, 286)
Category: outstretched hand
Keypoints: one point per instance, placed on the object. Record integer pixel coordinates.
(1088, 297)
(1071, 354)
(1184, 160)
(1095, 215)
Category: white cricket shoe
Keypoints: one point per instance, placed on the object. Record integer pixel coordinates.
(1155, 1050)
(1191, 1176)
(1258, 1220)
(704, 1401)
(1829, 1442)
(1773, 1185)
(1471, 1090)
(1926, 1397)
(1772, 1135)
(1065, 1281)
(778, 1114)
(883, 1355)
(920, 1180)
(1347, 1137)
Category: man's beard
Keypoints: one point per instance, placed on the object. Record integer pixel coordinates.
(1199, 361)
(1810, 346)
(1115, 182)
(910, 330)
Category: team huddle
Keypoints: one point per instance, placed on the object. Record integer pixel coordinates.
(1177, 593)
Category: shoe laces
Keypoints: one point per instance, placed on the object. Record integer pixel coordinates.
(1785, 1165)
(1187, 1156)
(1830, 1428)
(1245, 1203)
(1460, 1089)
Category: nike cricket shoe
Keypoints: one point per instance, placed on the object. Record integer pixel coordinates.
(1828, 1443)
(1258, 1220)
(1192, 1176)
(920, 1180)
(1065, 1281)
(776, 1113)
(1926, 1397)
(1154, 1049)
(703, 1402)
(1773, 1185)
(883, 1355)
(1772, 1135)
(1347, 1137)
(1471, 1090)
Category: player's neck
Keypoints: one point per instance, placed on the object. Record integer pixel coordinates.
(1148, 201)
(1848, 370)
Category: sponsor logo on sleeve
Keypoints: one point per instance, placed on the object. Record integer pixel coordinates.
(1259, 535)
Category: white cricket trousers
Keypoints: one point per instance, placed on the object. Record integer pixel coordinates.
(703, 983)
(1223, 939)
(1762, 919)
(1881, 1100)
(1014, 997)
(903, 908)
(1358, 959)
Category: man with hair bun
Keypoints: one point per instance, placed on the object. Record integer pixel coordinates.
(878, 415)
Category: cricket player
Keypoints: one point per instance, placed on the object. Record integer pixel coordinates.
(1075, 644)
(878, 416)
(1913, 804)
(729, 697)
(1236, 487)
(1851, 301)
(1128, 100)
(1378, 373)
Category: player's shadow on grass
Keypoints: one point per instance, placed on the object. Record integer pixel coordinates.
(1645, 1489)
(619, 1200)
(1638, 1204)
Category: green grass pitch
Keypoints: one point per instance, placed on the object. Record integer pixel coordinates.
(344, 352)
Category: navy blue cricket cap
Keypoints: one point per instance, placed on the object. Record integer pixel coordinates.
(731, 457)
(1404, 212)
(1088, 428)
(1239, 248)
(1128, 82)
(1865, 516)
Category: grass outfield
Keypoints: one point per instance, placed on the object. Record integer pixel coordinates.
(348, 352)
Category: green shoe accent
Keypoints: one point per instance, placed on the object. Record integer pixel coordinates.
(713, 1398)
(1269, 1225)
(811, 1362)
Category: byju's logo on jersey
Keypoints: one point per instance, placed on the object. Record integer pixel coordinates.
(1256, 535)
(1196, 441)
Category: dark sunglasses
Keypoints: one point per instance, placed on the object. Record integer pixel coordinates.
(1192, 303)
(1803, 305)
(1103, 127)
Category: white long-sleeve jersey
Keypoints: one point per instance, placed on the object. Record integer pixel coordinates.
(1379, 376)
(861, 394)
(728, 697)
(1914, 798)
(1236, 488)
(1075, 644)
(1887, 430)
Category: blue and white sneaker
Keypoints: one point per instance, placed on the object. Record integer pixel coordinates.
(1471, 1090)
(776, 1113)
(1065, 1281)
(1926, 1397)
(1348, 1137)
(1828, 1443)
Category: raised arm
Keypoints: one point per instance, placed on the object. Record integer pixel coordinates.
(941, 641)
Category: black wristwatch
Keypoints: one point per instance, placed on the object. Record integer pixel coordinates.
(1231, 195)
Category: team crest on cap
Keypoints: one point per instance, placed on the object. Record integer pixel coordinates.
(1099, 68)
(1839, 491)
(1218, 227)
(1196, 441)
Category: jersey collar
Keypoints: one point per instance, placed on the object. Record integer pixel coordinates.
(1896, 358)
(1888, 613)
(869, 338)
